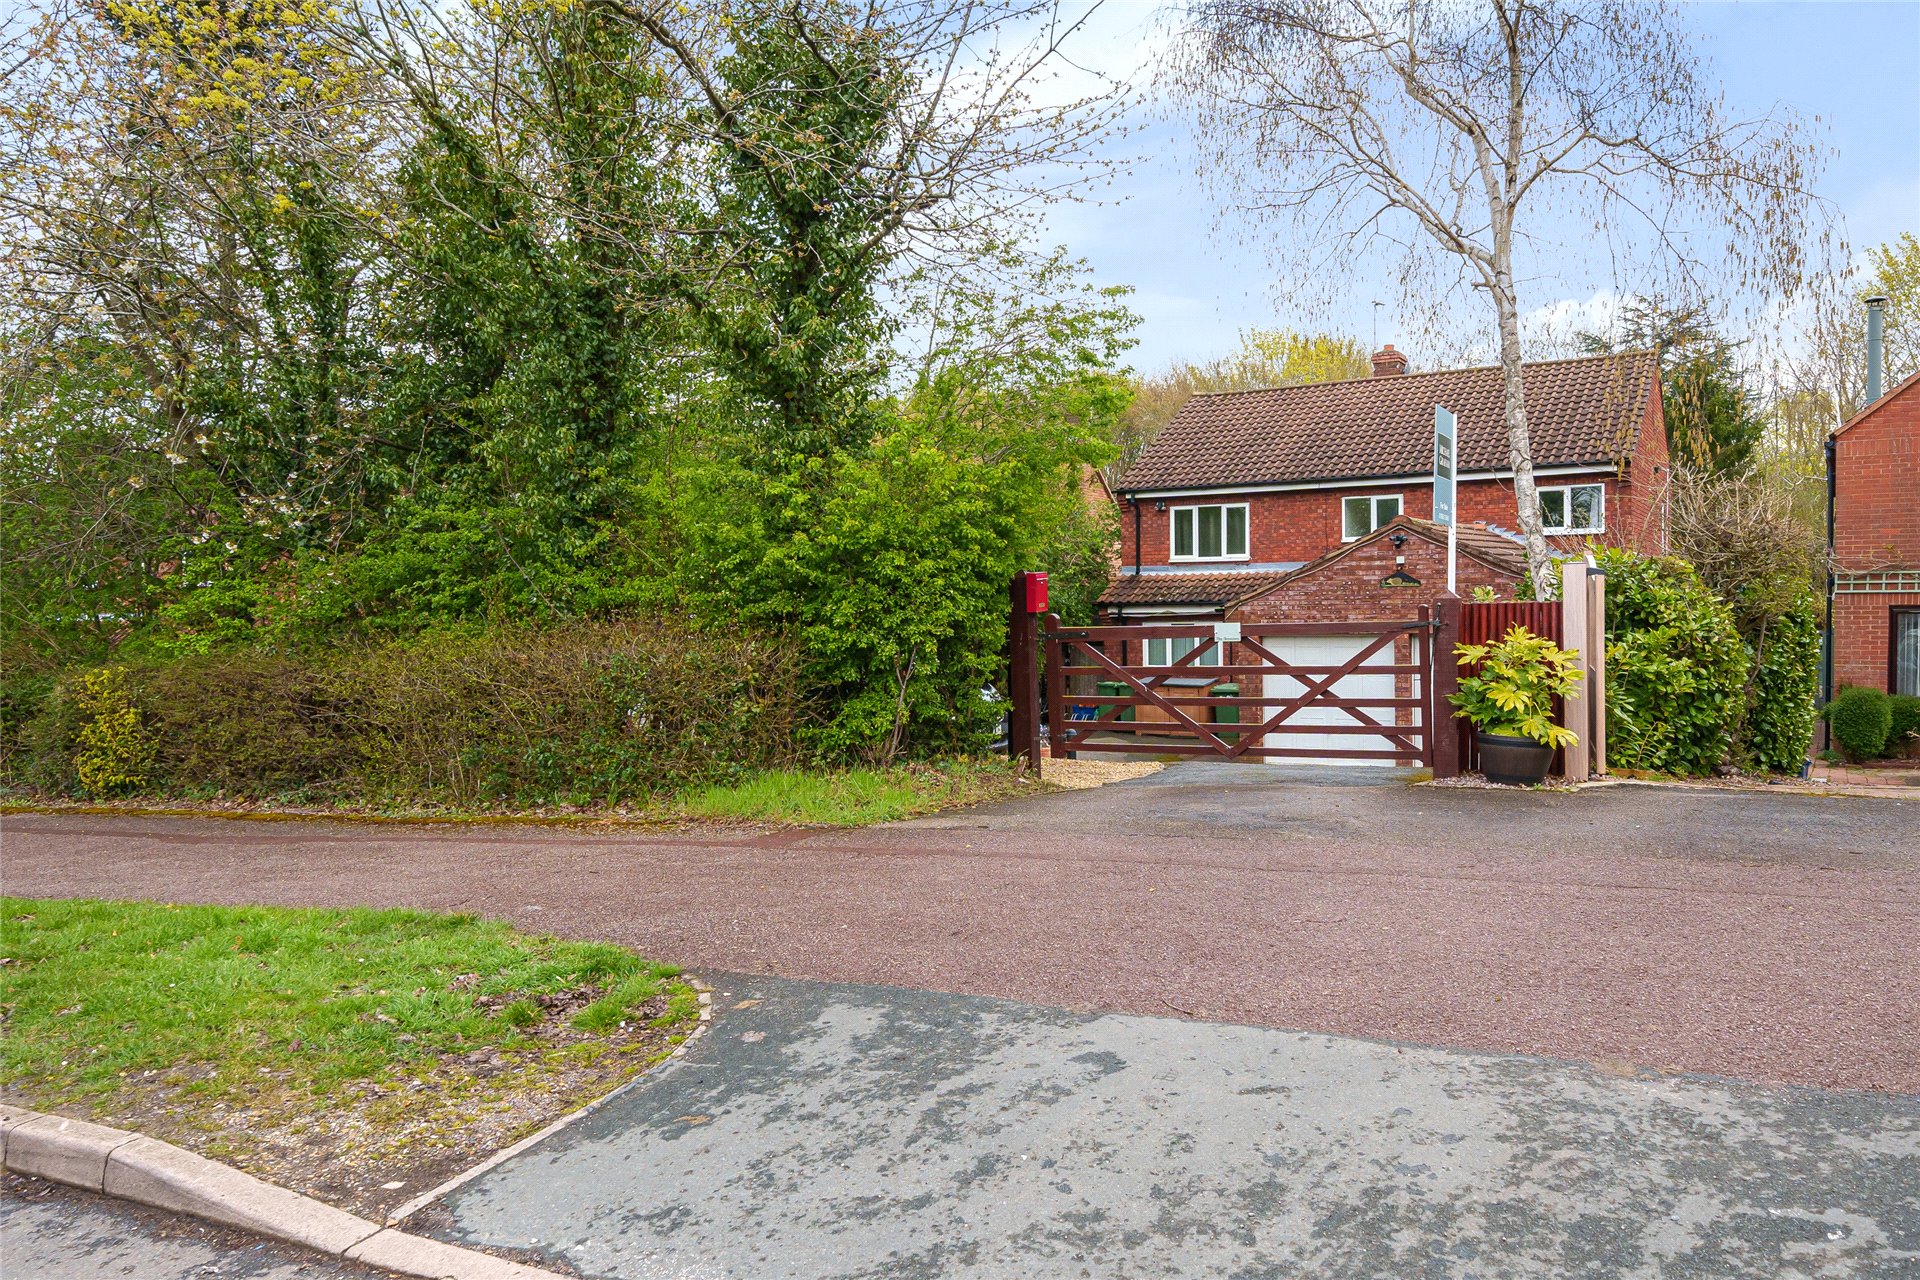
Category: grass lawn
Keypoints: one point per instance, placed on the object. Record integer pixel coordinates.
(307, 1044)
(814, 796)
(855, 796)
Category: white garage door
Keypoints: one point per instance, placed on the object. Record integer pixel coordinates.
(1329, 651)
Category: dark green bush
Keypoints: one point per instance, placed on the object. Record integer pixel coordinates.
(1860, 719)
(1786, 687)
(1676, 667)
(586, 713)
(1904, 724)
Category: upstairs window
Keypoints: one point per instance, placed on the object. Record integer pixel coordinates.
(1574, 508)
(1361, 516)
(1210, 533)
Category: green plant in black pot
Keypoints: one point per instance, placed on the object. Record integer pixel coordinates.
(1508, 696)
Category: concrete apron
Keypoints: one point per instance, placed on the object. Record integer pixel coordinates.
(837, 1130)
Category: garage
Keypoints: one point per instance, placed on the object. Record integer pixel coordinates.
(1313, 651)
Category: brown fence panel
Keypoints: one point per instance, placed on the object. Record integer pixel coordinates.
(1485, 622)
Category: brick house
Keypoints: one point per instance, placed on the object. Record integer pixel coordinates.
(1876, 544)
(1277, 503)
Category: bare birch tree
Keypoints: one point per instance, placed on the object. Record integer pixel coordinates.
(1449, 133)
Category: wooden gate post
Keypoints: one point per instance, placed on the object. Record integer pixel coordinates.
(1597, 668)
(1576, 709)
(1445, 676)
(1023, 677)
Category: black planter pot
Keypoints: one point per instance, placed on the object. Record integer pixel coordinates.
(1517, 762)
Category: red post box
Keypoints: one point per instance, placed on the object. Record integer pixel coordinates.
(1036, 593)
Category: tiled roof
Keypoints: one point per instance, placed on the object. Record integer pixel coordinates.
(1578, 411)
(1186, 588)
(1483, 543)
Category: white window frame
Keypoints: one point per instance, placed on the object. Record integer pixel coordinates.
(1173, 526)
(1566, 506)
(1373, 501)
(1166, 646)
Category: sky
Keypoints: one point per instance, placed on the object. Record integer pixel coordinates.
(1197, 284)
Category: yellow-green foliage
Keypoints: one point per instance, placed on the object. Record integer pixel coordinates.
(1513, 691)
(114, 751)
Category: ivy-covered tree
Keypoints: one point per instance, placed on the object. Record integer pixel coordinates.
(1714, 422)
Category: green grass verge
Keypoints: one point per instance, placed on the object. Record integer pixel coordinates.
(100, 994)
(851, 797)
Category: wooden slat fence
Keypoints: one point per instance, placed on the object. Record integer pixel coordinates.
(1483, 623)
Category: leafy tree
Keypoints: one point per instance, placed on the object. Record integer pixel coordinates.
(1713, 421)
(1825, 382)
(1265, 358)
(1441, 131)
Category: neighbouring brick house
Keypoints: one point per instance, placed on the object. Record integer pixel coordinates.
(1281, 504)
(1876, 544)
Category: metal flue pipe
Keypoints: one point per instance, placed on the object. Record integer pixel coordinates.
(1876, 325)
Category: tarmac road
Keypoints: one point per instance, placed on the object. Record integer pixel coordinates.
(1759, 936)
(841, 1131)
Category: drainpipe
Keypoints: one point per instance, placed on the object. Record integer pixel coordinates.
(1876, 324)
(1136, 535)
(1826, 645)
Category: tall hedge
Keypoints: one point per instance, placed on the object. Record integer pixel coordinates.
(1786, 685)
(1676, 667)
(586, 713)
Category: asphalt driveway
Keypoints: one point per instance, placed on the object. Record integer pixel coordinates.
(845, 1131)
(1765, 937)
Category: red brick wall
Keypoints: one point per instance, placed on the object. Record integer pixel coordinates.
(1349, 589)
(1862, 625)
(1876, 525)
(1304, 525)
(1876, 514)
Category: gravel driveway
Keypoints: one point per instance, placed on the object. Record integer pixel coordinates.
(1767, 937)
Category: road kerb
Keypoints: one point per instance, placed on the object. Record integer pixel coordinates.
(63, 1150)
(419, 1256)
(161, 1175)
(128, 1166)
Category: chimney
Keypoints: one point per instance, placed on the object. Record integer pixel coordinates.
(1388, 363)
(1876, 324)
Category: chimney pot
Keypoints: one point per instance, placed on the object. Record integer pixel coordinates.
(1388, 363)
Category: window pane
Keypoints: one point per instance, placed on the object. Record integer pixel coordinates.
(1183, 531)
(1236, 531)
(1209, 532)
(1156, 653)
(1586, 506)
(1354, 516)
(1385, 509)
(1553, 509)
(1906, 652)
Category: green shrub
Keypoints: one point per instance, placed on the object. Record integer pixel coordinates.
(1786, 683)
(585, 713)
(112, 749)
(1904, 723)
(1860, 719)
(23, 696)
(1676, 667)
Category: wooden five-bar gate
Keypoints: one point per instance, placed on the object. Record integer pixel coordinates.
(1103, 695)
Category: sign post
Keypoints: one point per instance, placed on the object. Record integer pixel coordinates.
(1445, 455)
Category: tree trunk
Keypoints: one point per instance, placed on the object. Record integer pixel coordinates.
(1519, 443)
